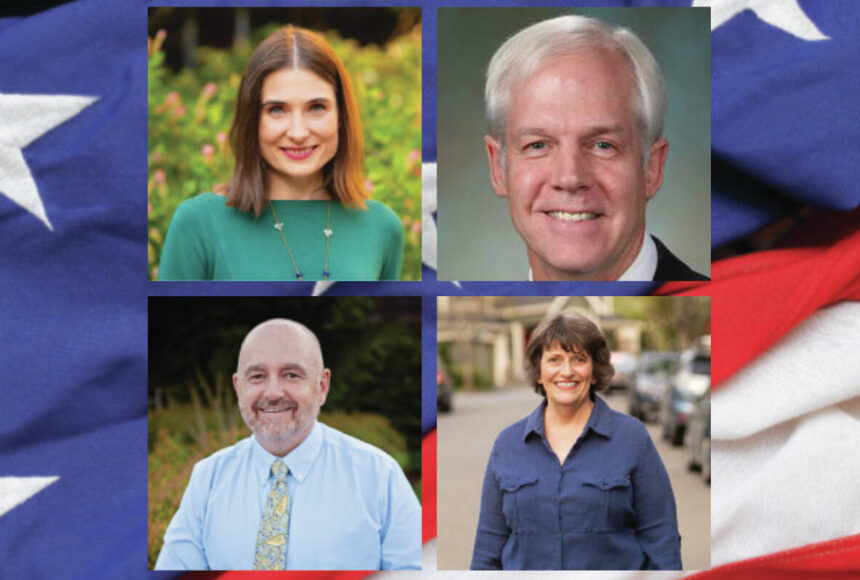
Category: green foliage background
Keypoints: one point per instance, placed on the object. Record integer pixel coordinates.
(190, 114)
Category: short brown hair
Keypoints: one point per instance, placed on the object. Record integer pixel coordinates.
(570, 331)
(295, 48)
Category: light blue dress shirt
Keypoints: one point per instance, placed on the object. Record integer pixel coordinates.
(351, 508)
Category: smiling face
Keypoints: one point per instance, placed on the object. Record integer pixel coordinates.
(280, 384)
(572, 167)
(566, 375)
(298, 129)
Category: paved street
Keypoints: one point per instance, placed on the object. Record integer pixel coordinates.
(465, 438)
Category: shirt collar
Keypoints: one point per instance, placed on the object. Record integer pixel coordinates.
(534, 422)
(643, 267)
(645, 264)
(299, 460)
(600, 420)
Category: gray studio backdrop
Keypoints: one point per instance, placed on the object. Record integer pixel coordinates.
(476, 240)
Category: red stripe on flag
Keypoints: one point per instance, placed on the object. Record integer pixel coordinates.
(834, 559)
(428, 487)
(759, 297)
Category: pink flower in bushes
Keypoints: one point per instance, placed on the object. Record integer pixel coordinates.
(209, 90)
(208, 151)
(159, 176)
(413, 162)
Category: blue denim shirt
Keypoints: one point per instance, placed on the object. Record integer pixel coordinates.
(609, 506)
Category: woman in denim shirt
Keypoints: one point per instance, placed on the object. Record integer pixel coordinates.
(575, 485)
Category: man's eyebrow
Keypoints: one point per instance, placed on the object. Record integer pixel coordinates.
(591, 132)
(294, 367)
(529, 131)
(285, 367)
(604, 129)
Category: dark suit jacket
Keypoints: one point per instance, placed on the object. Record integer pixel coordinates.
(669, 267)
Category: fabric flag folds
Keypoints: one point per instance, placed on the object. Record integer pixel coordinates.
(73, 289)
(762, 296)
(784, 114)
(784, 440)
(72, 300)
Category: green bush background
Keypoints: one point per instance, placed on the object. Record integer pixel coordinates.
(190, 114)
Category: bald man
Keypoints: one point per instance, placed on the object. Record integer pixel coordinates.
(297, 494)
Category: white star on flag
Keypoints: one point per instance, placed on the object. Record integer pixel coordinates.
(23, 119)
(16, 490)
(784, 14)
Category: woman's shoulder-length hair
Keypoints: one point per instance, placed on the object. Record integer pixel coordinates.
(295, 48)
(570, 331)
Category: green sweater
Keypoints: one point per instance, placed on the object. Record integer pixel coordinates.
(207, 240)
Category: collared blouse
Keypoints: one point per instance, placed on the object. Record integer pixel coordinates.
(609, 506)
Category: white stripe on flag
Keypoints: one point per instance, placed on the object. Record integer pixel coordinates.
(428, 206)
(786, 442)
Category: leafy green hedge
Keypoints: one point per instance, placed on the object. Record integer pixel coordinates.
(190, 114)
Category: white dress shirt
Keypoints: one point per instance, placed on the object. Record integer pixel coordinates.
(643, 267)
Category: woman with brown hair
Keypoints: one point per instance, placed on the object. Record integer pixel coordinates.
(297, 207)
(575, 485)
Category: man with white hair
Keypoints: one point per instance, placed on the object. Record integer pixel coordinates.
(297, 494)
(575, 111)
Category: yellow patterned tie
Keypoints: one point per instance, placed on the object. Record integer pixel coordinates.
(271, 553)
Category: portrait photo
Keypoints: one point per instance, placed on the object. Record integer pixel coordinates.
(284, 433)
(587, 421)
(284, 144)
(573, 144)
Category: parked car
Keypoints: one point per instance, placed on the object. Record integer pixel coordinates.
(687, 386)
(649, 383)
(625, 368)
(444, 388)
(698, 438)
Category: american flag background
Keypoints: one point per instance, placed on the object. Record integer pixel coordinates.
(73, 289)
